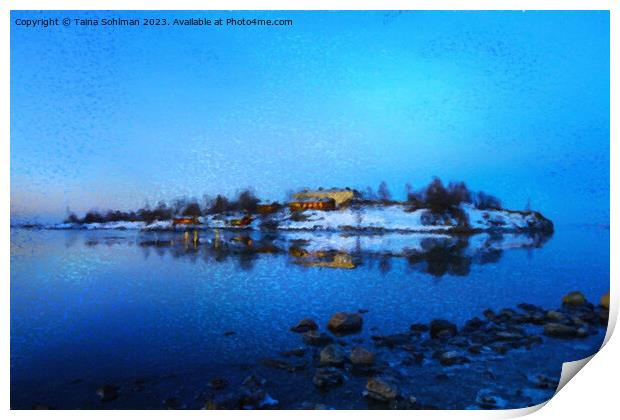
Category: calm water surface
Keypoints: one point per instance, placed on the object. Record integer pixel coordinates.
(96, 307)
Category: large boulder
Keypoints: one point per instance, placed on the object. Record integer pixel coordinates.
(441, 328)
(574, 299)
(345, 323)
(381, 389)
(361, 357)
(332, 355)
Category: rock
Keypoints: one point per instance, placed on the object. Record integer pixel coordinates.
(475, 349)
(507, 336)
(363, 311)
(361, 357)
(543, 381)
(314, 338)
(327, 377)
(574, 299)
(474, 324)
(419, 327)
(345, 323)
(252, 399)
(555, 316)
(553, 329)
(381, 389)
(459, 341)
(582, 332)
(527, 307)
(298, 352)
(442, 329)
(537, 318)
(229, 333)
(171, 403)
(283, 365)
(489, 314)
(253, 382)
(391, 340)
(499, 348)
(108, 393)
(450, 358)
(487, 400)
(228, 401)
(332, 355)
(604, 302)
(218, 383)
(305, 325)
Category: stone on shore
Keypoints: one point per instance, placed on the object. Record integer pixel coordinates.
(283, 365)
(315, 338)
(298, 352)
(574, 299)
(305, 325)
(381, 389)
(441, 328)
(361, 357)
(554, 329)
(605, 301)
(450, 358)
(345, 323)
(332, 355)
(108, 393)
(326, 377)
(555, 316)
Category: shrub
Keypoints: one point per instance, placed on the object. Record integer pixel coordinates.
(486, 201)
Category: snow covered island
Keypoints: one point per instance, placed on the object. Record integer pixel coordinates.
(363, 218)
(434, 209)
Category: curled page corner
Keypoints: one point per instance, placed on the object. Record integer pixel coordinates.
(570, 369)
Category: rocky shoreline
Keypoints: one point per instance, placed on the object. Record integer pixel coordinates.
(378, 372)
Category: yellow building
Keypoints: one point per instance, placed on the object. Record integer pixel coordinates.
(339, 196)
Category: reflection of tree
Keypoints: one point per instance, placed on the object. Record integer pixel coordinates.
(434, 255)
(442, 256)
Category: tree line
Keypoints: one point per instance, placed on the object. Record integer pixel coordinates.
(436, 196)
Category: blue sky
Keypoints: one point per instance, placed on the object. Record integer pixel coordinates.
(513, 103)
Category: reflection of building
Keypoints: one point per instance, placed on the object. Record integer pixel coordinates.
(340, 196)
(313, 204)
(244, 221)
(321, 259)
(187, 221)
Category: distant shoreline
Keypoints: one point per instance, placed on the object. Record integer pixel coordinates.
(369, 219)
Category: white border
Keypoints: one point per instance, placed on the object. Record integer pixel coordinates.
(593, 395)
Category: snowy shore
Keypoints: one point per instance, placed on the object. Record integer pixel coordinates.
(375, 218)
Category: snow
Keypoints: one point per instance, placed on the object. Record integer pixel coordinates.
(398, 218)
(394, 218)
(384, 218)
(389, 243)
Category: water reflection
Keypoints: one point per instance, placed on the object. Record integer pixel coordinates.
(434, 254)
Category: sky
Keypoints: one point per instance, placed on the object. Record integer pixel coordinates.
(513, 103)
